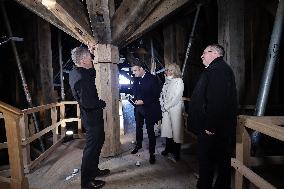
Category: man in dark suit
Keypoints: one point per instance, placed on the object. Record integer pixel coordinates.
(146, 92)
(212, 115)
(82, 83)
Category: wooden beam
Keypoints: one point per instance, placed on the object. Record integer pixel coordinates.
(39, 9)
(72, 15)
(163, 10)
(250, 175)
(45, 154)
(99, 15)
(272, 130)
(276, 120)
(9, 109)
(18, 178)
(106, 61)
(28, 140)
(128, 17)
(243, 143)
(169, 44)
(231, 27)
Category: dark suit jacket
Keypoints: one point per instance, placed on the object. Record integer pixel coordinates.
(148, 89)
(82, 83)
(213, 104)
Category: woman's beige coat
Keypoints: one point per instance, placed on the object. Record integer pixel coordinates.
(172, 108)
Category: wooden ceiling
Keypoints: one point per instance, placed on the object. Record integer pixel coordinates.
(97, 21)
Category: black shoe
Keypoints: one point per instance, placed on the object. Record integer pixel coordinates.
(165, 152)
(94, 184)
(152, 159)
(103, 172)
(135, 150)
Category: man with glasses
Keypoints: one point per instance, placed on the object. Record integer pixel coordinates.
(212, 115)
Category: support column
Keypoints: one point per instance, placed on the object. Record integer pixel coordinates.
(180, 44)
(105, 64)
(44, 57)
(169, 44)
(231, 37)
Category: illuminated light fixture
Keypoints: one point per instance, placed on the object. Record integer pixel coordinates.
(68, 136)
(69, 133)
(49, 4)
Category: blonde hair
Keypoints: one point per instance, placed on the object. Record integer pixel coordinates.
(175, 69)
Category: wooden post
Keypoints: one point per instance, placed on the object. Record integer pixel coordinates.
(242, 151)
(169, 44)
(107, 84)
(79, 122)
(62, 117)
(44, 57)
(180, 44)
(53, 114)
(24, 130)
(231, 37)
(18, 179)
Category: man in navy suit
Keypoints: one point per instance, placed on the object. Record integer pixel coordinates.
(146, 92)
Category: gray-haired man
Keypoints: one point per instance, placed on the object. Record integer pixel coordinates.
(82, 83)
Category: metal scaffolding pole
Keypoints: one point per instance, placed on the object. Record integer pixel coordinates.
(191, 37)
(271, 60)
(153, 63)
(61, 66)
(23, 79)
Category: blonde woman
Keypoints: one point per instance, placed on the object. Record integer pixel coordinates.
(172, 105)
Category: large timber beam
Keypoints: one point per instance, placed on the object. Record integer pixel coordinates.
(73, 15)
(164, 9)
(39, 9)
(99, 15)
(128, 17)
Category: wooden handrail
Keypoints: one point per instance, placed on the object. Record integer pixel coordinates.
(69, 102)
(40, 108)
(272, 130)
(8, 108)
(18, 140)
(41, 133)
(250, 175)
(268, 125)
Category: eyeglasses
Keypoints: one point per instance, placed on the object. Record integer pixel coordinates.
(206, 52)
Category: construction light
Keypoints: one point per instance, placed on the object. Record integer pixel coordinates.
(68, 136)
(69, 132)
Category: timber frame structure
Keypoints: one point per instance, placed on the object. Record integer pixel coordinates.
(114, 24)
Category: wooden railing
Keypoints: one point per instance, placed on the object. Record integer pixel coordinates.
(268, 125)
(19, 138)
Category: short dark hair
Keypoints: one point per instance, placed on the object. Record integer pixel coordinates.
(138, 63)
(218, 48)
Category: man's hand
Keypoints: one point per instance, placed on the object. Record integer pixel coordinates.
(91, 47)
(209, 133)
(139, 102)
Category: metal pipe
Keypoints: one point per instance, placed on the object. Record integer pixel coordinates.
(191, 37)
(271, 60)
(61, 66)
(153, 63)
(23, 79)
